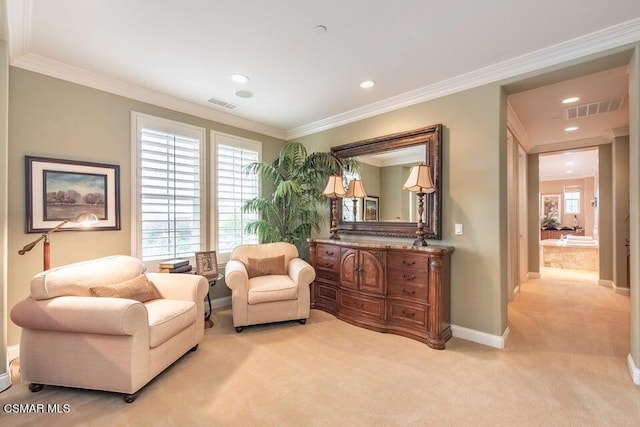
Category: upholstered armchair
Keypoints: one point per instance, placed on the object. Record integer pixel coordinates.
(269, 283)
(106, 325)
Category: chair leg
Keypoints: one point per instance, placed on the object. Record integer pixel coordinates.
(239, 329)
(129, 398)
(35, 387)
(302, 321)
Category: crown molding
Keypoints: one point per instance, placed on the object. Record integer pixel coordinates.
(571, 145)
(608, 38)
(60, 70)
(19, 27)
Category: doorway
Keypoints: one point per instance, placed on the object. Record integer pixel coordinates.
(568, 186)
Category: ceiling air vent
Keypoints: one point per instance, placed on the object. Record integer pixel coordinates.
(593, 108)
(222, 103)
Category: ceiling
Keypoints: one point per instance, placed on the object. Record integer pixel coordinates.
(181, 54)
(570, 164)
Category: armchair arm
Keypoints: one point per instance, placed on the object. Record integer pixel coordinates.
(109, 316)
(190, 287)
(236, 276)
(301, 272)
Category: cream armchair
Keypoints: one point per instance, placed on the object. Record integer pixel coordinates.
(269, 283)
(75, 339)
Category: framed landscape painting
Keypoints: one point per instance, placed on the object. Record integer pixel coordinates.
(59, 190)
(371, 208)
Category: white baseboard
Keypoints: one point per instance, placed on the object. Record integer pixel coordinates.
(531, 275)
(13, 352)
(633, 370)
(606, 283)
(623, 291)
(495, 341)
(221, 302)
(5, 381)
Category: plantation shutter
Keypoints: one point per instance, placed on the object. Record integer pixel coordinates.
(234, 188)
(169, 193)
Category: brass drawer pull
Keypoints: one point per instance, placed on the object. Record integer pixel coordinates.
(328, 264)
(406, 292)
(328, 252)
(408, 263)
(405, 277)
(358, 304)
(408, 313)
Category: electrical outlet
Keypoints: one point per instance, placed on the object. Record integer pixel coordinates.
(458, 230)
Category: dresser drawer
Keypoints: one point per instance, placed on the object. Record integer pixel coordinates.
(404, 260)
(326, 292)
(417, 292)
(327, 275)
(363, 305)
(407, 276)
(328, 252)
(401, 312)
(328, 263)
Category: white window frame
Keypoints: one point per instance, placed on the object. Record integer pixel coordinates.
(227, 139)
(572, 190)
(139, 120)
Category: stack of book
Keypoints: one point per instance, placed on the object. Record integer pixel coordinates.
(175, 266)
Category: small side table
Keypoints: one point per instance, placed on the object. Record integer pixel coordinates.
(208, 323)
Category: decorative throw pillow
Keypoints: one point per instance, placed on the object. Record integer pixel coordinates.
(265, 266)
(139, 288)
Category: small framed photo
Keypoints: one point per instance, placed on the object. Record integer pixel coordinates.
(59, 190)
(371, 209)
(206, 264)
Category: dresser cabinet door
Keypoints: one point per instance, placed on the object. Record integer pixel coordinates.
(371, 271)
(349, 270)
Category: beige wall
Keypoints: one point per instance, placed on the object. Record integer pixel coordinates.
(605, 211)
(533, 221)
(53, 118)
(4, 86)
(620, 146)
(586, 215)
(472, 193)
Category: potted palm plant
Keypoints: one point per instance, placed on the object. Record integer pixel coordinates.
(290, 213)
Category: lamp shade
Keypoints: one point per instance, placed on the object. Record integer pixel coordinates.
(355, 189)
(419, 180)
(334, 187)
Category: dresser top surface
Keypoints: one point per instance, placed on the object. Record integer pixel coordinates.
(375, 244)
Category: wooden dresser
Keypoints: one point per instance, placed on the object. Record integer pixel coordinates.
(385, 287)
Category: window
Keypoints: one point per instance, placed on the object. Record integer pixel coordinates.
(166, 198)
(572, 200)
(233, 187)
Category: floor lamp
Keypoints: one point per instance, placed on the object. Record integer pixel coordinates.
(334, 190)
(84, 219)
(420, 182)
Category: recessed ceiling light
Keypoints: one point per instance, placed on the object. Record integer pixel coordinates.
(570, 100)
(569, 171)
(244, 94)
(568, 163)
(320, 29)
(367, 84)
(239, 78)
(571, 128)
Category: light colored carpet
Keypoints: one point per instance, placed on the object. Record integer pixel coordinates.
(565, 365)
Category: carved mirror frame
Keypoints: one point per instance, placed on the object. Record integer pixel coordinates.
(431, 137)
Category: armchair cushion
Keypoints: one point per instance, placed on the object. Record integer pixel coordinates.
(138, 288)
(257, 267)
(167, 318)
(271, 288)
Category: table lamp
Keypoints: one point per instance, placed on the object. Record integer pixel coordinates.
(420, 182)
(356, 191)
(333, 190)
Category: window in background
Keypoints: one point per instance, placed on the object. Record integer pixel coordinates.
(232, 188)
(167, 195)
(572, 200)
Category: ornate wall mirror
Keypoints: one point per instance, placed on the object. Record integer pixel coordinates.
(388, 210)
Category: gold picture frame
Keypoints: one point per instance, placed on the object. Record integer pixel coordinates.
(206, 264)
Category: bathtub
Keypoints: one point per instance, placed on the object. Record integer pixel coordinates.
(576, 252)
